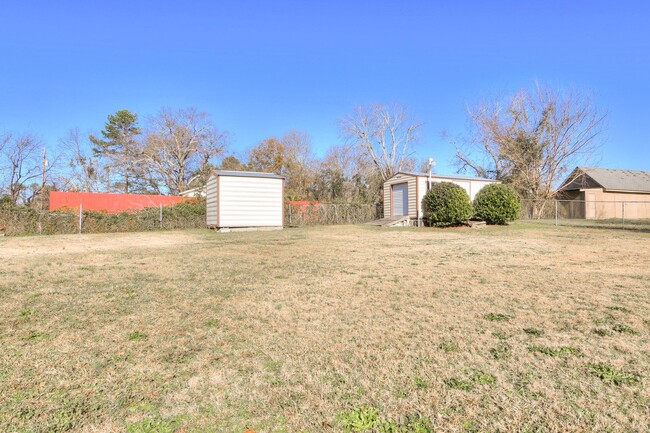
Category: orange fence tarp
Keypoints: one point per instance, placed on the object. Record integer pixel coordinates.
(111, 203)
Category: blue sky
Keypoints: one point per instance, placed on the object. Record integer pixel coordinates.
(262, 68)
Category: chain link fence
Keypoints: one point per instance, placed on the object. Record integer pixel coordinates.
(587, 213)
(20, 221)
(17, 221)
(329, 214)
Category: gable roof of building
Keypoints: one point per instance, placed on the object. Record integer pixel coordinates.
(609, 179)
(441, 176)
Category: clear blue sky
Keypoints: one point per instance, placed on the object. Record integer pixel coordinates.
(262, 68)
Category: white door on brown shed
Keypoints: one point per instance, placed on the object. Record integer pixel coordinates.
(401, 199)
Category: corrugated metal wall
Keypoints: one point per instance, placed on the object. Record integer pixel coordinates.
(211, 200)
(111, 203)
(400, 178)
(250, 202)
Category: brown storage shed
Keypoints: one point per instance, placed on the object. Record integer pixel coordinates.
(605, 193)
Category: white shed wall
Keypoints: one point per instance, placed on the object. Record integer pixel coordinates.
(471, 186)
(250, 202)
(211, 202)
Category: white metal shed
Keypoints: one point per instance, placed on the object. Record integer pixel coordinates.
(243, 199)
(403, 192)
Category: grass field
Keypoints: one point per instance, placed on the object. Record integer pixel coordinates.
(327, 329)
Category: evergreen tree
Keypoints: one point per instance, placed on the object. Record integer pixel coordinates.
(119, 145)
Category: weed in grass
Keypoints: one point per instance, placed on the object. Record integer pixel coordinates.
(414, 424)
(497, 317)
(534, 332)
(607, 319)
(609, 374)
(71, 415)
(618, 308)
(272, 365)
(35, 336)
(560, 352)
(27, 313)
(470, 427)
(501, 351)
(366, 419)
(602, 332)
(152, 426)
(420, 383)
(623, 329)
(136, 335)
(500, 335)
(483, 378)
(456, 383)
(448, 346)
(212, 323)
(359, 419)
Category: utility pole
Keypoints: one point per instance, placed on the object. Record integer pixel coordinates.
(43, 167)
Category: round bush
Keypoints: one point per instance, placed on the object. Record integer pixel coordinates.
(446, 204)
(497, 204)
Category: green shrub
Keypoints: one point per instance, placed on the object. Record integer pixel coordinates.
(497, 204)
(446, 204)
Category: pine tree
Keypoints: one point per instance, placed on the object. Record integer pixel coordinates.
(119, 144)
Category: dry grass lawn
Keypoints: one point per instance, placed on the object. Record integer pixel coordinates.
(327, 329)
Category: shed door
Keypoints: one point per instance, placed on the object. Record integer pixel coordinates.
(401, 199)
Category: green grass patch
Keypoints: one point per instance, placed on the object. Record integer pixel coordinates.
(447, 346)
(461, 384)
(136, 335)
(482, 378)
(560, 352)
(154, 425)
(497, 317)
(501, 351)
(622, 328)
(534, 332)
(609, 374)
(602, 332)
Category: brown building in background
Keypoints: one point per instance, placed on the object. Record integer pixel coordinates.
(604, 193)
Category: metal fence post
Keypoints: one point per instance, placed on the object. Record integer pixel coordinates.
(80, 216)
(555, 213)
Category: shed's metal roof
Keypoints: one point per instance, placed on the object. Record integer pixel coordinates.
(441, 176)
(610, 179)
(247, 174)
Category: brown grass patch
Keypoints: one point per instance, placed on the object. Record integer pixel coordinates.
(292, 331)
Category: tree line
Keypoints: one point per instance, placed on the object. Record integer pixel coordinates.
(530, 139)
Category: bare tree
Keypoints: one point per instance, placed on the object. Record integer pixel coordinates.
(83, 172)
(22, 163)
(299, 163)
(290, 156)
(384, 133)
(346, 173)
(180, 143)
(4, 139)
(534, 140)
